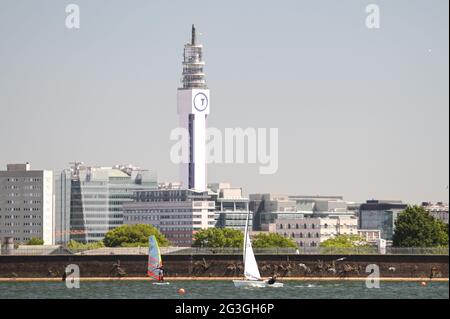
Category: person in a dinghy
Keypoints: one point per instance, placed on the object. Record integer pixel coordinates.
(272, 280)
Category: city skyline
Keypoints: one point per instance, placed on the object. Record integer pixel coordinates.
(106, 93)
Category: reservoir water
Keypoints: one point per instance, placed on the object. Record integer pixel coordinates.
(224, 290)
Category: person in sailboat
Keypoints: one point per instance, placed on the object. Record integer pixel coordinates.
(272, 280)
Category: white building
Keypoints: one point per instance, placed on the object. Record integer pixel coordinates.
(193, 109)
(270, 207)
(438, 210)
(311, 231)
(231, 206)
(372, 236)
(26, 204)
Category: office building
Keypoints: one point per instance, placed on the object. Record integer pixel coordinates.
(89, 199)
(270, 207)
(311, 231)
(26, 204)
(231, 207)
(438, 210)
(380, 215)
(177, 213)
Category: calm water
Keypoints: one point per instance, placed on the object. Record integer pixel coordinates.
(223, 290)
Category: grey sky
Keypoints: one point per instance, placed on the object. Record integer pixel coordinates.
(361, 113)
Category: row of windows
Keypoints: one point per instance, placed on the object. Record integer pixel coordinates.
(130, 218)
(31, 217)
(28, 179)
(179, 235)
(297, 226)
(18, 210)
(312, 244)
(175, 228)
(18, 231)
(312, 226)
(12, 224)
(25, 195)
(27, 187)
(12, 216)
(300, 235)
(148, 211)
(24, 224)
(24, 202)
(182, 242)
(102, 222)
(175, 217)
(178, 223)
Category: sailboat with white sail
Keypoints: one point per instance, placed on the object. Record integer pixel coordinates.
(155, 266)
(251, 271)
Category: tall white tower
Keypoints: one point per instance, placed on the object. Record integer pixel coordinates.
(193, 109)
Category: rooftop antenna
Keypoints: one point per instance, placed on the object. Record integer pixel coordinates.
(194, 36)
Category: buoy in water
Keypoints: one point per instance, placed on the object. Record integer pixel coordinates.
(423, 283)
(181, 291)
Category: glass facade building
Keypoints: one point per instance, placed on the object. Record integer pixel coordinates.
(89, 200)
(380, 215)
(232, 209)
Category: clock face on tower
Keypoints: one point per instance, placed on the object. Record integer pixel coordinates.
(200, 102)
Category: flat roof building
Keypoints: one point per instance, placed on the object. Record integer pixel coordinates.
(231, 207)
(438, 210)
(178, 214)
(311, 231)
(26, 204)
(381, 215)
(89, 199)
(270, 207)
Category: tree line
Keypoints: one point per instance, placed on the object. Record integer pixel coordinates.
(414, 227)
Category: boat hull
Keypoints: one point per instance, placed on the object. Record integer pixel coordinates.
(161, 283)
(255, 284)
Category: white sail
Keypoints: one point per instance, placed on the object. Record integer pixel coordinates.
(251, 271)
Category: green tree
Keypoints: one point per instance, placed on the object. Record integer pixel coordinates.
(77, 245)
(35, 241)
(415, 227)
(133, 236)
(344, 241)
(272, 240)
(219, 237)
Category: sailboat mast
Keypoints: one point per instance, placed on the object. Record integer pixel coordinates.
(246, 235)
